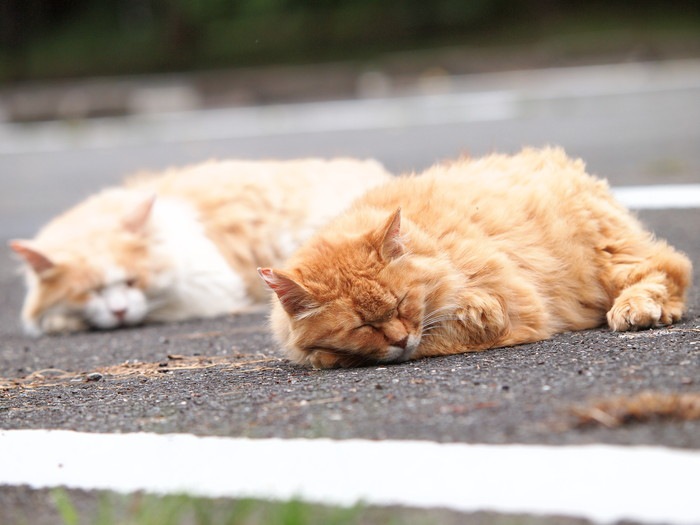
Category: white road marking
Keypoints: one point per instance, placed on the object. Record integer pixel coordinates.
(668, 196)
(599, 482)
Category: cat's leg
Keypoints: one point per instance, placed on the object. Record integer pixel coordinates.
(483, 317)
(486, 319)
(63, 324)
(508, 311)
(473, 321)
(328, 359)
(651, 291)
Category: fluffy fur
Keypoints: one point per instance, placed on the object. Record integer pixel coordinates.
(472, 255)
(180, 244)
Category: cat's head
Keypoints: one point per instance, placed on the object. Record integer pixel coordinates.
(91, 277)
(351, 300)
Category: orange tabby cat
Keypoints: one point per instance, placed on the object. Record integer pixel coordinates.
(181, 244)
(473, 255)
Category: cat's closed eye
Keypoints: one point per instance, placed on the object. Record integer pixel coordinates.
(130, 282)
(377, 321)
(400, 302)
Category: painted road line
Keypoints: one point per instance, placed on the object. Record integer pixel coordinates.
(660, 197)
(599, 482)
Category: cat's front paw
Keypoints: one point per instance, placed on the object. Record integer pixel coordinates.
(325, 359)
(483, 316)
(321, 359)
(63, 324)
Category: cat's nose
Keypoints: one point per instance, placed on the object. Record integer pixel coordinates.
(120, 313)
(402, 343)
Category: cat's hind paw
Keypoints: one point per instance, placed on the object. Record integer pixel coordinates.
(644, 305)
(634, 313)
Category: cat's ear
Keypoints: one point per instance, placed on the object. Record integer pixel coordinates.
(391, 245)
(36, 260)
(293, 297)
(138, 216)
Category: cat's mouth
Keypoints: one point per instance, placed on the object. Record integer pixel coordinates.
(402, 352)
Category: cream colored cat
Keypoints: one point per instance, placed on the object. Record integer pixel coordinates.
(473, 255)
(181, 244)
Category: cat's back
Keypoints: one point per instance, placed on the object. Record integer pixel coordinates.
(87, 221)
(267, 199)
(274, 181)
(532, 190)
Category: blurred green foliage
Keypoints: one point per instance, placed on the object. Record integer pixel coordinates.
(63, 38)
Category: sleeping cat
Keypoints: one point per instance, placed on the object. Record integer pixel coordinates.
(473, 255)
(182, 244)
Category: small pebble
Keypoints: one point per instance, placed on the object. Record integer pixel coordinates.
(95, 376)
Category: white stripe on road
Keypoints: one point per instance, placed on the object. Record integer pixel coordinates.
(668, 196)
(602, 483)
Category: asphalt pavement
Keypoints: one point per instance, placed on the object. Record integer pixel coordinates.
(226, 377)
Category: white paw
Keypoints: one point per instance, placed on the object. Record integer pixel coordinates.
(57, 324)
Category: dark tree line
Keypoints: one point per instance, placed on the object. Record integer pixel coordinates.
(105, 36)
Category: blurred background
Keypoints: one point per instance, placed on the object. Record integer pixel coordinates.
(364, 47)
(68, 38)
(91, 91)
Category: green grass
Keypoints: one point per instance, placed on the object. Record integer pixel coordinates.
(26, 506)
(65, 508)
(147, 509)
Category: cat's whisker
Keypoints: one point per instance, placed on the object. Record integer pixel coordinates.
(441, 318)
(438, 314)
(439, 310)
(436, 321)
(429, 329)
